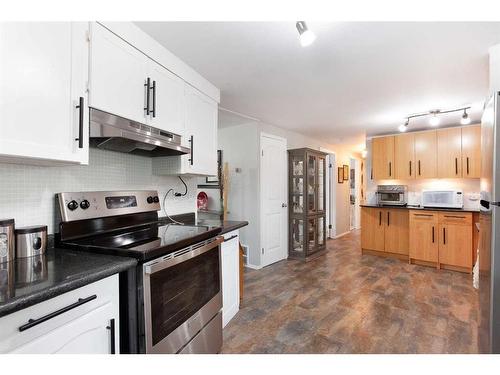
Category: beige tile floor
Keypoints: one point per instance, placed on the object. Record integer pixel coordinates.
(344, 302)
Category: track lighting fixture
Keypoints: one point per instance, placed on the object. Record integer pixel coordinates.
(306, 36)
(434, 119)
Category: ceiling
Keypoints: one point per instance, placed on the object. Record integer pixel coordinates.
(356, 78)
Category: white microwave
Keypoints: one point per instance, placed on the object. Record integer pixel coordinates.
(443, 198)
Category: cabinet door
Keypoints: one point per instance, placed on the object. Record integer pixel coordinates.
(426, 154)
(43, 73)
(471, 151)
(404, 156)
(201, 131)
(424, 236)
(312, 175)
(118, 74)
(396, 231)
(372, 229)
(455, 245)
(230, 276)
(383, 157)
(449, 151)
(169, 100)
(88, 334)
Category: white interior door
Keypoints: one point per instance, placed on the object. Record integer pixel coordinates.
(273, 183)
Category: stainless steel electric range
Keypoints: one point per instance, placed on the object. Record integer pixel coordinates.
(172, 301)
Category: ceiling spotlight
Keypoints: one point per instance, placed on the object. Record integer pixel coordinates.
(403, 127)
(465, 118)
(306, 36)
(434, 121)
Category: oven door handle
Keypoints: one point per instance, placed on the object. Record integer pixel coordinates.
(165, 263)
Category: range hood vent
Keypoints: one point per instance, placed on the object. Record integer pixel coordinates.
(115, 133)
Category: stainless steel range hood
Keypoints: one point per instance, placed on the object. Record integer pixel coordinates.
(115, 133)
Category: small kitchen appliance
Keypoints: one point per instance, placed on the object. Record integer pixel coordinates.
(443, 198)
(6, 240)
(31, 241)
(392, 195)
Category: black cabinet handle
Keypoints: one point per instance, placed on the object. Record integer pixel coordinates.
(80, 106)
(419, 168)
(390, 169)
(467, 165)
(34, 322)
(380, 218)
(410, 167)
(147, 85)
(388, 218)
(230, 238)
(112, 333)
(456, 166)
(432, 234)
(455, 216)
(371, 174)
(153, 112)
(444, 236)
(191, 141)
(427, 215)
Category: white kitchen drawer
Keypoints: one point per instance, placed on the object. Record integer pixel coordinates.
(77, 325)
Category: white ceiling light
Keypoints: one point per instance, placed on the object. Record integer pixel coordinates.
(306, 36)
(434, 120)
(404, 127)
(465, 118)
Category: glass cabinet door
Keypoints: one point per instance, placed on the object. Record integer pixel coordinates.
(311, 183)
(321, 177)
(321, 231)
(298, 235)
(311, 234)
(297, 192)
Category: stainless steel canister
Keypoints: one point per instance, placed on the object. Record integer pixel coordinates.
(31, 241)
(6, 240)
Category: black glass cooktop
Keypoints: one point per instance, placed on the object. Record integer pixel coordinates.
(147, 241)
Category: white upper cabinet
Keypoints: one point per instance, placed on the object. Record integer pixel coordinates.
(166, 100)
(201, 133)
(118, 74)
(43, 75)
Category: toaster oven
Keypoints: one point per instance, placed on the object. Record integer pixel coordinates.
(442, 198)
(392, 195)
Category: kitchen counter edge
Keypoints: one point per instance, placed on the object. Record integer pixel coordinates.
(421, 208)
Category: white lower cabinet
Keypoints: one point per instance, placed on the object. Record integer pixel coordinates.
(230, 276)
(88, 322)
(43, 75)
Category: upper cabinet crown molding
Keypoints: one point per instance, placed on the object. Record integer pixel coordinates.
(155, 51)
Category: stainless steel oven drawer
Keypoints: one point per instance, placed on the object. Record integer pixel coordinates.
(208, 340)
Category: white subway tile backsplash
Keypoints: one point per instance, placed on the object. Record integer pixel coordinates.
(27, 192)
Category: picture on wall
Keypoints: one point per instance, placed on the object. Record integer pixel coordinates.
(340, 175)
(346, 172)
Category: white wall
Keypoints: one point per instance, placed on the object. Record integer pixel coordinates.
(27, 192)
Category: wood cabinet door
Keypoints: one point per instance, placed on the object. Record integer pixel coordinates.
(383, 158)
(404, 156)
(372, 232)
(449, 150)
(455, 245)
(471, 151)
(424, 236)
(426, 154)
(396, 231)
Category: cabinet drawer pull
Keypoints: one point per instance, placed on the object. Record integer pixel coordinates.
(426, 215)
(444, 236)
(410, 167)
(456, 166)
(390, 169)
(111, 328)
(80, 122)
(380, 218)
(432, 234)
(230, 238)
(147, 85)
(388, 218)
(467, 165)
(34, 322)
(456, 217)
(419, 168)
(153, 112)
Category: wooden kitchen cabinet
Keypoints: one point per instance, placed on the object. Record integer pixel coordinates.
(449, 151)
(471, 151)
(384, 229)
(372, 229)
(43, 75)
(455, 245)
(404, 156)
(426, 154)
(383, 158)
(423, 236)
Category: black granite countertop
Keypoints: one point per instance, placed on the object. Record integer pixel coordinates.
(422, 208)
(226, 225)
(28, 281)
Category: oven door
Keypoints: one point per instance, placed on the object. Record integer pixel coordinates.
(390, 198)
(182, 294)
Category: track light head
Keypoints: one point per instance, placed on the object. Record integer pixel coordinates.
(306, 36)
(465, 120)
(434, 120)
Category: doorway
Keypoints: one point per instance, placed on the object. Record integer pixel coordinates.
(354, 193)
(273, 199)
(331, 185)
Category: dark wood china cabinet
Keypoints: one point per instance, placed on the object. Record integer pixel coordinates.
(306, 203)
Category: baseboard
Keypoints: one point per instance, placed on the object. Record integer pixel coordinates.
(253, 267)
(229, 314)
(340, 235)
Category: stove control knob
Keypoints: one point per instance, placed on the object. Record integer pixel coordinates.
(150, 200)
(84, 204)
(73, 205)
(156, 199)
